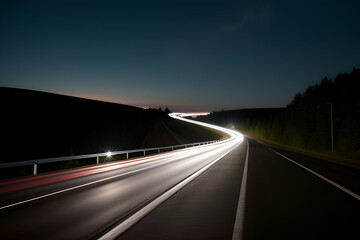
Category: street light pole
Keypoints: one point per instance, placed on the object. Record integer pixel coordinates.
(332, 129)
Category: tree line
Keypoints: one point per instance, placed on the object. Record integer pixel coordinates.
(325, 113)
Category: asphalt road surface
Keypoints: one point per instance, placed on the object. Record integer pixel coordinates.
(88, 202)
(235, 189)
(204, 209)
(286, 201)
(282, 201)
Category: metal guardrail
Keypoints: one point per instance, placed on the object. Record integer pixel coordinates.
(97, 155)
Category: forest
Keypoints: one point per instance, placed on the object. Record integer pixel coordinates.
(324, 119)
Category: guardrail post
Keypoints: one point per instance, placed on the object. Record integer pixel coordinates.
(35, 167)
(59, 159)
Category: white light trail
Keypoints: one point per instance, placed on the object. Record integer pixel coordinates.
(234, 135)
(215, 152)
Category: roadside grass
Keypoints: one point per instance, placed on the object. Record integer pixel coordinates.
(69, 164)
(193, 133)
(326, 156)
(168, 131)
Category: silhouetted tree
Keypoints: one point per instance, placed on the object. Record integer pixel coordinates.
(167, 110)
(306, 124)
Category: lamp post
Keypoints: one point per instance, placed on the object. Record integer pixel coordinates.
(331, 126)
(332, 129)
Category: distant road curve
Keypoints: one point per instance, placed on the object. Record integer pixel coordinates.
(283, 195)
(102, 200)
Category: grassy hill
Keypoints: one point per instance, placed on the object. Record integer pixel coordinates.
(39, 125)
(171, 131)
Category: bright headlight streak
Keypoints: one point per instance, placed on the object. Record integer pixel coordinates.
(191, 162)
(235, 136)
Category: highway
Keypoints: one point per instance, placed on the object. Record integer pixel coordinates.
(279, 200)
(90, 201)
(233, 189)
(287, 200)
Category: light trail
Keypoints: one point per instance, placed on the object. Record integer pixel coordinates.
(108, 194)
(234, 135)
(223, 147)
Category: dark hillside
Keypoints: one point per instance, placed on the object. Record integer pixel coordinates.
(171, 132)
(39, 125)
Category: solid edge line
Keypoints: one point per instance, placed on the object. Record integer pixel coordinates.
(322, 177)
(136, 217)
(240, 212)
(76, 187)
(90, 183)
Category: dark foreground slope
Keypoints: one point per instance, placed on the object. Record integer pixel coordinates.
(168, 131)
(41, 125)
(38, 125)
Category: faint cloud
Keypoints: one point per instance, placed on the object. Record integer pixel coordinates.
(223, 25)
(246, 18)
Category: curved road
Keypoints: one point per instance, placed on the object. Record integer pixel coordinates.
(88, 202)
(226, 190)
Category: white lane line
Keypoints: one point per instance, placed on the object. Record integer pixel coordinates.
(240, 212)
(322, 177)
(100, 180)
(79, 186)
(133, 219)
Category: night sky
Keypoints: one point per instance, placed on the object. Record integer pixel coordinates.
(187, 55)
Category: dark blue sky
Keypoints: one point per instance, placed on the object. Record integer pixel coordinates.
(188, 55)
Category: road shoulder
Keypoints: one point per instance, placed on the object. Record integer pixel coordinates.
(203, 209)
